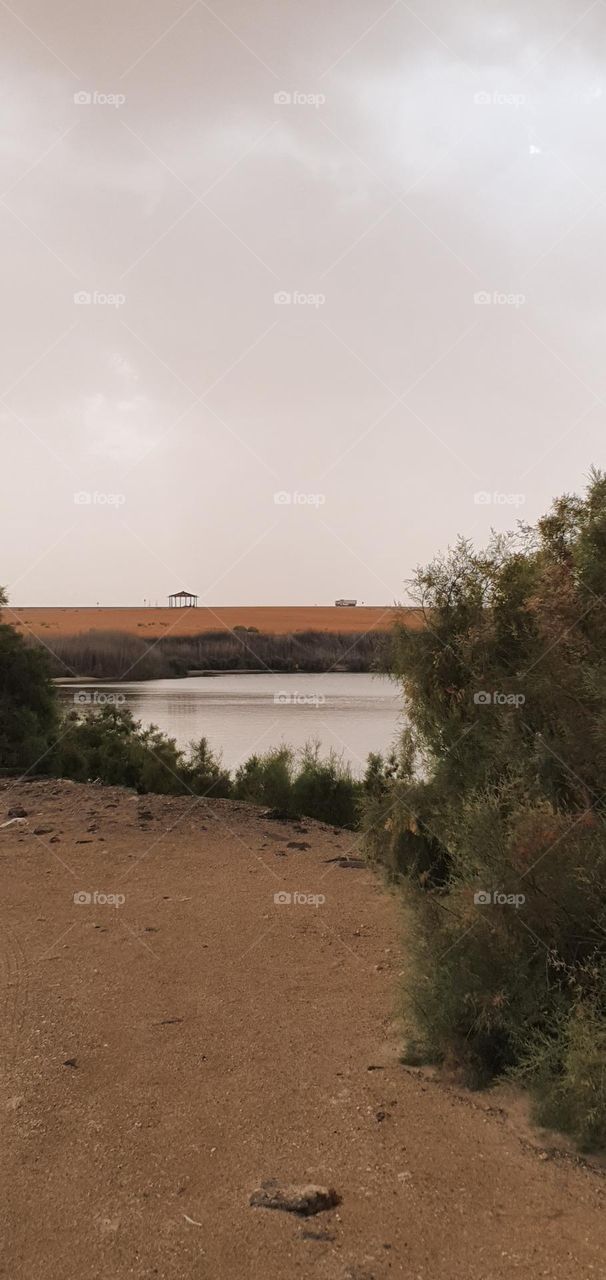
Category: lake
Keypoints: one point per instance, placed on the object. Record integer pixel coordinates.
(242, 714)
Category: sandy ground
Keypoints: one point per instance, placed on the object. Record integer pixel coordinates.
(165, 1056)
(151, 623)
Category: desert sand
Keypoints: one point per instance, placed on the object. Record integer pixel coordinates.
(168, 1053)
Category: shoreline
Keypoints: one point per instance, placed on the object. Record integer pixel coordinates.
(71, 681)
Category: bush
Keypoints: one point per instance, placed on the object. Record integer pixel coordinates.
(301, 785)
(109, 745)
(325, 789)
(491, 816)
(204, 772)
(29, 716)
(267, 780)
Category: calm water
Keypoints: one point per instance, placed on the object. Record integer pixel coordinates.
(242, 714)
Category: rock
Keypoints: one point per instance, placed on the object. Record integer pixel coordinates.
(298, 844)
(70, 1062)
(276, 815)
(109, 1226)
(305, 1201)
(17, 812)
(42, 831)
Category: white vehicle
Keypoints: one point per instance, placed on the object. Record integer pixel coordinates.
(345, 604)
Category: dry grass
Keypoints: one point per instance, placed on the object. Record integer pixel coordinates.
(151, 623)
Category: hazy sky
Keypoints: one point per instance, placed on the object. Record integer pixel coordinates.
(426, 152)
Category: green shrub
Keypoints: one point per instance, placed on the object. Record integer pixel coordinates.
(325, 789)
(503, 797)
(204, 772)
(267, 780)
(301, 785)
(29, 716)
(106, 743)
(566, 1068)
(109, 745)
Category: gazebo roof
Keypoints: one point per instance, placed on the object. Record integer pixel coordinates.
(176, 594)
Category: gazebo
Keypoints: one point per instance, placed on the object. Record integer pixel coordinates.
(182, 600)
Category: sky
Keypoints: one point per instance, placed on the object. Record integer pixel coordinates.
(293, 294)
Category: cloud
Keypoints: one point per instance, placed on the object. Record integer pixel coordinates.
(117, 429)
(122, 367)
